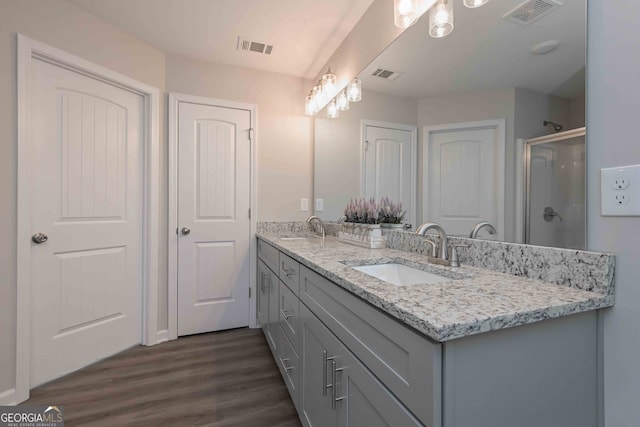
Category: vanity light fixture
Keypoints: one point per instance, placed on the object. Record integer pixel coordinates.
(342, 102)
(310, 106)
(332, 110)
(405, 13)
(441, 19)
(328, 84)
(475, 3)
(354, 90)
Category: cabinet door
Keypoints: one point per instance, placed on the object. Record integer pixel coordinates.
(317, 345)
(262, 291)
(362, 400)
(273, 327)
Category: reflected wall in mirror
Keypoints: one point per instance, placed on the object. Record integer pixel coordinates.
(455, 92)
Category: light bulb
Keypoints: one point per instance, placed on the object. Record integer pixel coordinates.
(354, 90)
(310, 105)
(405, 13)
(332, 110)
(475, 3)
(342, 101)
(441, 19)
(328, 84)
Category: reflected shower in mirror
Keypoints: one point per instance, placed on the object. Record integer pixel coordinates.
(443, 122)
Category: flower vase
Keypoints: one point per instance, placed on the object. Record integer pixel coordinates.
(364, 235)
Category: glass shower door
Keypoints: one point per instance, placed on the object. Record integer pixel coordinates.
(556, 185)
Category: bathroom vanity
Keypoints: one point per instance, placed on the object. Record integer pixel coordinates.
(481, 348)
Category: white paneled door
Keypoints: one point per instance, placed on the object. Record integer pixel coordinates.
(464, 176)
(389, 164)
(214, 159)
(86, 171)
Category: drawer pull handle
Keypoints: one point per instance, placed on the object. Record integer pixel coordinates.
(325, 359)
(285, 315)
(334, 399)
(284, 365)
(287, 273)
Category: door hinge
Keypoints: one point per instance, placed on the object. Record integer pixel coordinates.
(249, 292)
(250, 134)
(366, 146)
(177, 231)
(249, 213)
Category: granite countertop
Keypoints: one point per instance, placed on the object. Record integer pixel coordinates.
(477, 301)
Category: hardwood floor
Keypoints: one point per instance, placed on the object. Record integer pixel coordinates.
(224, 378)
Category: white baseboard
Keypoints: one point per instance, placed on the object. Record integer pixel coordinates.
(8, 398)
(162, 336)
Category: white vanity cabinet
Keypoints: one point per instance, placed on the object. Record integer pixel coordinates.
(348, 363)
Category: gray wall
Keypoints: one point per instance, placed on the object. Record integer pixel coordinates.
(612, 140)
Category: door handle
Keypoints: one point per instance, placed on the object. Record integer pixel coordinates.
(39, 238)
(549, 213)
(186, 231)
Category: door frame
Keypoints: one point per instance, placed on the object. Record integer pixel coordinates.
(172, 243)
(414, 156)
(27, 51)
(499, 125)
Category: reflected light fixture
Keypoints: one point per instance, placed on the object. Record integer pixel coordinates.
(475, 3)
(332, 110)
(405, 13)
(354, 90)
(441, 19)
(342, 101)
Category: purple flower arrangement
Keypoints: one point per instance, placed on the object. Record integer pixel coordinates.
(363, 211)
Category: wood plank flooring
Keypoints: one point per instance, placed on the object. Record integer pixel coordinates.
(224, 378)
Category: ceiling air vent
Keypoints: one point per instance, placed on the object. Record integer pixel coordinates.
(531, 11)
(386, 74)
(248, 45)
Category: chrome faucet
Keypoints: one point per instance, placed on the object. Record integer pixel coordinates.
(479, 226)
(315, 218)
(422, 231)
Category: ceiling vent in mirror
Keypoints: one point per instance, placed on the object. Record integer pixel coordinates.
(386, 74)
(251, 46)
(531, 11)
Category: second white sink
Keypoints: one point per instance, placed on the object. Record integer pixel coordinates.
(401, 275)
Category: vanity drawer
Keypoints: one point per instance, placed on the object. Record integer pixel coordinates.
(289, 315)
(405, 361)
(289, 363)
(269, 255)
(289, 272)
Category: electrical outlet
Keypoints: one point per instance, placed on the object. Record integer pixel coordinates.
(304, 205)
(620, 183)
(620, 191)
(319, 206)
(621, 198)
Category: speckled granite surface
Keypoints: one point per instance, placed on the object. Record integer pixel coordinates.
(481, 301)
(589, 271)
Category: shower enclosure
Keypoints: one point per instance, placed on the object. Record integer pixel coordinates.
(555, 189)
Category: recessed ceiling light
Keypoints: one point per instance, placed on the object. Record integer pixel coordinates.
(545, 47)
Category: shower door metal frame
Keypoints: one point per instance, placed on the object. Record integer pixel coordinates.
(555, 137)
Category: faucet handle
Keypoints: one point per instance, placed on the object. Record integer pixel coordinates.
(434, 248)
(454, 261)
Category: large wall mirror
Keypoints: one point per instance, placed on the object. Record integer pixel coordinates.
(485, 124)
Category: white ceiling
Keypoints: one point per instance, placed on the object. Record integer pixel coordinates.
(305, 33)
(485, 51)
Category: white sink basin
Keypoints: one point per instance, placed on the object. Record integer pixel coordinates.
(401, 275)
